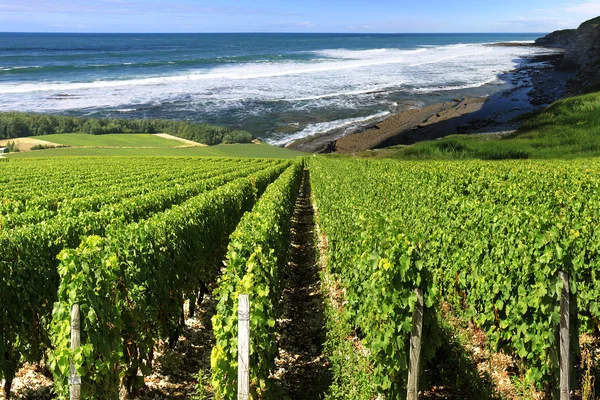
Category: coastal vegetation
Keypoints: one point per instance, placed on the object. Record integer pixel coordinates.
(569, 128)
(15, 125)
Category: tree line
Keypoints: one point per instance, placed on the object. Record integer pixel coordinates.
(15, 125)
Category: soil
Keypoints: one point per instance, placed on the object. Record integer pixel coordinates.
(302, 368)
(176, 371)
(465, 367)
(32, 382)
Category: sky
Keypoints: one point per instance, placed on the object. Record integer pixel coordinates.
(368, 16)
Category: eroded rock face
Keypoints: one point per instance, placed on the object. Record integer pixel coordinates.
(582, 52)
(558, 39)
(586, 48)
(585, 53)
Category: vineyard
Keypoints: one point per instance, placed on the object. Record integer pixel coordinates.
(486, 239)
(132, 240)
(127, 239)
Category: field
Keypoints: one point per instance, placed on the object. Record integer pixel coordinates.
(111, 140)
(221, 150)
(79, 140)
(18, 125)
(132, 240)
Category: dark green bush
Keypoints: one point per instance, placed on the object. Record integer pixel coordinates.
(12, 147)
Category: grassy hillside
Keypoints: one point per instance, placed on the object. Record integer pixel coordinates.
(223, 150)
(112, 140)
(569, 128)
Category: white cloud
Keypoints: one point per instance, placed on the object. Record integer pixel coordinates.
(296, 24)
(591, 7)
(358, 27)
(542, 24)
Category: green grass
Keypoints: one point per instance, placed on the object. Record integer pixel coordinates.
(569, 128)
(222, 150)
(110, 140)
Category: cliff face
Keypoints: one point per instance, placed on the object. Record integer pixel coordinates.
(582, 51)
(585, 53)
(586, 48)
(558, 39)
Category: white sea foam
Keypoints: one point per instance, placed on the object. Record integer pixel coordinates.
(19, 67)
(348, 62)
(334, 79)
(325, 127)
(457, 87)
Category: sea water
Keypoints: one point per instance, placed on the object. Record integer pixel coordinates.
(280, 87)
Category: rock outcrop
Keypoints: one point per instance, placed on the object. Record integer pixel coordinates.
(585, 53)
(586, 47)
(558, 39)
(582, 52)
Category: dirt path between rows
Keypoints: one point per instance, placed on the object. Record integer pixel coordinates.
(302, 367)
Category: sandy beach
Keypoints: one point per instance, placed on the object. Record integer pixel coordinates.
(537, 84)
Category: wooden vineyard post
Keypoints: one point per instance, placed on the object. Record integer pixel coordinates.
(74, 379)
(243, 347)
(565, 355)
(415, 348)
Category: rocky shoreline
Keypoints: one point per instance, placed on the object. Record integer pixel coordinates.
(571, 68)
(539, 82)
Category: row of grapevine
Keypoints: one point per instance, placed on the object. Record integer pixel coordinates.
(29, 278)
(256, 257)
(487, 238)
(41, 196)
(142, 272)
(44, 208)
(28, 174)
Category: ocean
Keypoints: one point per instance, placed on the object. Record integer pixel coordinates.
(280, 87)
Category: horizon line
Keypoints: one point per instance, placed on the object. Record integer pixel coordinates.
(283, 32)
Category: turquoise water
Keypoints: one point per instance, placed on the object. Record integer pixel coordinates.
(278, 86)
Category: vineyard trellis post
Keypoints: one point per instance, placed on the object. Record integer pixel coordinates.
(415, 348)
(243, 347)
(74, 378)
(565, 356)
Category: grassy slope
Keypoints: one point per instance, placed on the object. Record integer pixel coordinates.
(111, 140)
(223, 150)
(569, 128)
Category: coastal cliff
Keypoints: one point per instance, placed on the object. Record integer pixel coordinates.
(540, 81)
(558, 39)
(582, 52)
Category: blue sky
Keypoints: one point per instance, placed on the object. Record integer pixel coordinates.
(294, 16)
